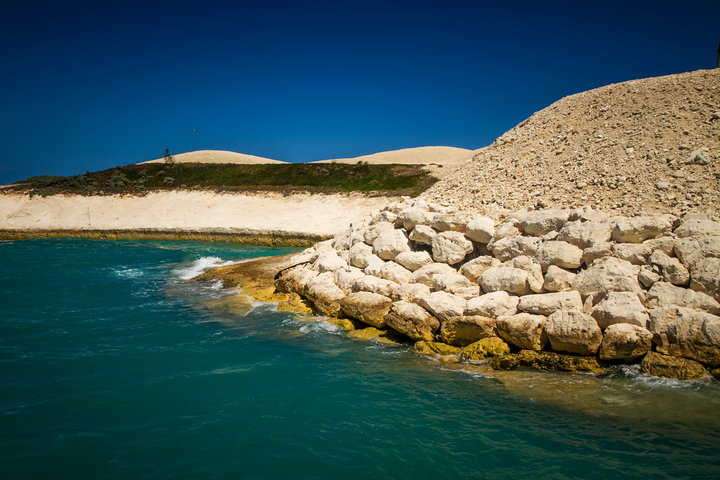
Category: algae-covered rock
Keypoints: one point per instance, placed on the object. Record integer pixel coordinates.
(434, 348)
(666, 366)
(343, 323)
(547, 361)
(464, 330)
(485, 348)
(372, 333)
(367, 307)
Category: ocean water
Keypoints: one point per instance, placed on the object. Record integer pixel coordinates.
(114, 365)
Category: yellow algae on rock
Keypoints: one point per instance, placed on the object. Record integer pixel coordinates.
(344, 323)
(435, 348)
(485, 348)
(372, 333)
(238, 305)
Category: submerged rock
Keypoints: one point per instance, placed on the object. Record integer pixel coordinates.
(434, 348)
(547, 361)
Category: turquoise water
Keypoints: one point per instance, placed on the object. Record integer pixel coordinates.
(112, 365)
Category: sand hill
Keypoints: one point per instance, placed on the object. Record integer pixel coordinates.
(440, 161)
(216, 156)
(643, 145)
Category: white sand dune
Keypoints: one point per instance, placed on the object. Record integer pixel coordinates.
(417, 155)
(216, 156)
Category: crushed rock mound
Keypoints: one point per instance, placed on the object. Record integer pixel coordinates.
(645, 145)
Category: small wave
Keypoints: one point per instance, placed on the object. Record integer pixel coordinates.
(126, 272)
(199, 266)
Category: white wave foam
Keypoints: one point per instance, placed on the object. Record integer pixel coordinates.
(199, 266)
(123, 272)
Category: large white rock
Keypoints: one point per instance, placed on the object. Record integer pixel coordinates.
(412, 321)
(422, 234)
(663, 294)
(673, 271)
(426, 274)
(359, 255)
(585, 234)
(540, 222)
(573, 331)
(456, 284)
(607, 275)
(475, 267)
(395, 272)
(328, 261)
(414, 260)
(410, 292)
(638, 229)
(456, 221)
(692, 250)
(369, 283)
(443, 305)
(345, 277)
(371, 233)
(548, 303)
(598, 252)
(705, 277)
(410, 217)
(507, 279)
(294, 279)
(697, 227)
(683, 332)
(450, 247)
(324, 294)
(620, 307)
(509, 247)
(374, 265)
(390, 243)
(626, 342)
(480, 229)
(560, 254)
(535, 276)
(558, 280)
(494, 304)
(523, 330)
(368, 307)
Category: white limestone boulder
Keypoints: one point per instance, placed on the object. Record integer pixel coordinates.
(456, 221)
(324, 294)
(573, 331)
(607, 275)
(507, 279)
(426, 275)
(370, 283)
(412, 320)
(547, 303)
(663, 294)
(620, 307)
(475, 267)
(508, 248)
(390, 243)
(371, 233)
(328, 261)
(480, 229)
(672, 269)
(535, 276)
(692, 250)
(585, 234)
(640, 228)
(422, 234)
(540, 222)
(359, 255)
(557, 279)
(705, 277)
(410, 292)
(494, 304)
(456, 284)
(683, 332)
(367, 307)
(414, 260)
(697, 227)
(450, 247)
(345, 277)
(558, 253)
(443, 305)
(411, 217)
(395, 272)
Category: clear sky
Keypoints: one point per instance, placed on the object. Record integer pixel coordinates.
(87, 85)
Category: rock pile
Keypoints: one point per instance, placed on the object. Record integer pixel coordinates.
(651, 144)
(562, 289)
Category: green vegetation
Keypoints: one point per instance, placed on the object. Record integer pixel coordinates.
(309, 177)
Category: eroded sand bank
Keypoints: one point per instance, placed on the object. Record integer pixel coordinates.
(265, 217)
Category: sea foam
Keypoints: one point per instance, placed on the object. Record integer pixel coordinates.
(200, 265)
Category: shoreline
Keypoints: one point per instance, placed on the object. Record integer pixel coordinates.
(255, 237)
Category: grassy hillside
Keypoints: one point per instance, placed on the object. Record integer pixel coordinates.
(322, 178)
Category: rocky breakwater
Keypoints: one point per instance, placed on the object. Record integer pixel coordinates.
(569, 290)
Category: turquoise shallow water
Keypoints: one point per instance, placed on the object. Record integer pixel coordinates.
(113, 366)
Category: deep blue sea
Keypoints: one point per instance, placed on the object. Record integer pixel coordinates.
(114, 365)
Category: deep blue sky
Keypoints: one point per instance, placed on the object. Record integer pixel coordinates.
(88, 85)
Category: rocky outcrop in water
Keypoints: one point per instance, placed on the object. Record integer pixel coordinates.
(580, 288)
